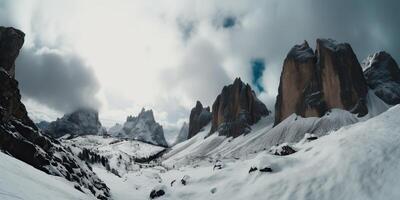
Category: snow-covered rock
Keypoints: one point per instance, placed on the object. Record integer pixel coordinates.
(383, 77)
(142, 128)
(81, 122)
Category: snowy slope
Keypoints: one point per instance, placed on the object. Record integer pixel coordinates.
(120, 153)
(356, 162)
(263, 136)
(19, 180)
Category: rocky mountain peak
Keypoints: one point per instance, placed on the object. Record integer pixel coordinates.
(84, 121)
(199, 117)
(142, 127)
(11, 41)
(383, 76)
(312, 83)
(235, 109)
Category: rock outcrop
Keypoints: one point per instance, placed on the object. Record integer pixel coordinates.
(78, 123)
(11, 41)
(142, 128)
(235, 109)
(383, 77)
(313, 83)
(199, 117)
(20, 138)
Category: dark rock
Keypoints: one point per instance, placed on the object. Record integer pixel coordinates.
(185, 179)
(78, 123)
(20, 137)
(11, 41)
(156, 193)
(199, 117)
(235, 109)
(252, 169)
(283, 150)
(266, 169)
(311, 138)
(172, 182)
(311, 84)
(383, 77)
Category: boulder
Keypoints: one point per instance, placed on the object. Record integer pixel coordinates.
(236, 109)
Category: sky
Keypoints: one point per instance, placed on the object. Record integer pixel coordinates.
(119, 56)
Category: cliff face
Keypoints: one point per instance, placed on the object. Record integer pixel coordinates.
(383, 77)
(80, 122)
(11, 41)
(312, 83)
(235, 109)
(199, 117)
(19, 136)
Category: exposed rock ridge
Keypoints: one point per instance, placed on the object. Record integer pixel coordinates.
(199, 117)
(11, 41)
(235, 109)
(312, 83)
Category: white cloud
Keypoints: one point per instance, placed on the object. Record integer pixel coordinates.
(142, 54)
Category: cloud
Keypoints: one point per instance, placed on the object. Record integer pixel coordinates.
(200, 75)
(166, 57)
(59, 80)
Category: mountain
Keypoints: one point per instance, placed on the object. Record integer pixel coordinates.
(359, 161)
(20, 138)
(11, 41)
(199, 117)
(80, 122)
(235, 109)
(313, 83)
(383, 77)
(183, 134)
(142, 128)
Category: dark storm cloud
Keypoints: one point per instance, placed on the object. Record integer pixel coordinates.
(59, 80)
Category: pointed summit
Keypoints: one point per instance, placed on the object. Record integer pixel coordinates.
(199, 117)
(235, 109)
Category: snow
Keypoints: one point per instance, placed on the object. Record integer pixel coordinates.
(359, 161)
(19, 180)
(120, 153)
